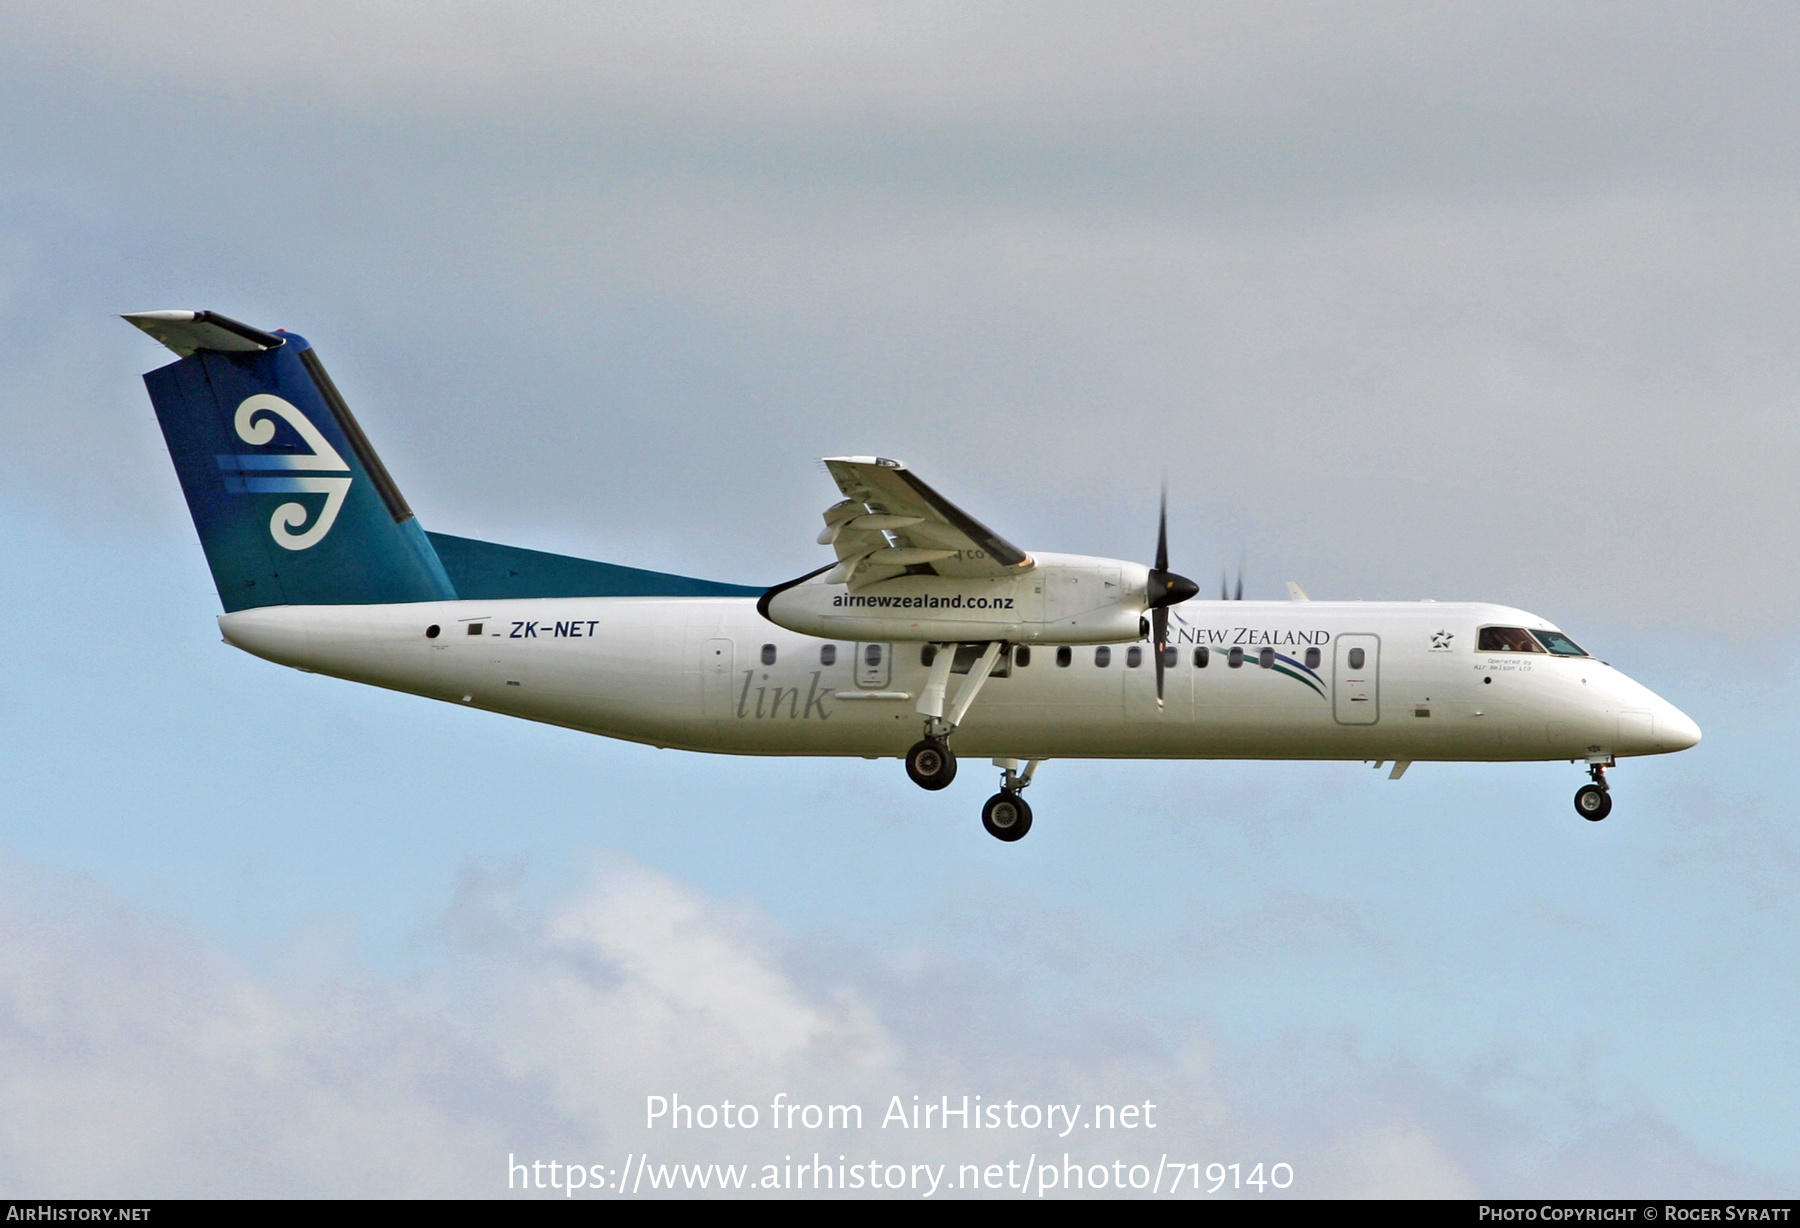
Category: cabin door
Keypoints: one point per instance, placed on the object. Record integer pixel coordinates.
(1356, 680)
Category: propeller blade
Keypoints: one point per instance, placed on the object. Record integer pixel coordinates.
(1224, 589)
(1159, 618)
(1240, 583)
(1164, 587)
(1162, 531)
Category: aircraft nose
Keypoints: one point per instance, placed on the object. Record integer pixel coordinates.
(1677, 730)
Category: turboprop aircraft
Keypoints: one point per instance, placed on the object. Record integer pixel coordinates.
(322, 566)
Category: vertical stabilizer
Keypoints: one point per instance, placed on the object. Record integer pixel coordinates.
(292, 505)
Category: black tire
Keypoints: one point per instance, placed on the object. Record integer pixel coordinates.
(931, 764)
(1006, 817)
(1593, 803)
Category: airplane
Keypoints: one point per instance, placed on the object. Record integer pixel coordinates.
(321, 565)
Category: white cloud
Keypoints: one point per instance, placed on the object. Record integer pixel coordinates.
(135, 1061)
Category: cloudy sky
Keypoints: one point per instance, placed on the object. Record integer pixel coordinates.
(1474, 301)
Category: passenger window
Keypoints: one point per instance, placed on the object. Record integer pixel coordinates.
(431, 632)
(1312, 658)
(1170, 656)
(1266, 658)
(1134, 657)
(1236, 658)
(1021, 656)
(828, 654)
(1103, 656)
(1201, 655)
(768, 654)
(1356, 658)
(871, 655)
(1506, 639)
(474, 628)
(1064, 655)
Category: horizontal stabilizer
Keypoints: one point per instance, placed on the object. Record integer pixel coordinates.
(187, 332)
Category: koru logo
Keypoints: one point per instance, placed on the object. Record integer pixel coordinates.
(1440, 640)
(323, 458)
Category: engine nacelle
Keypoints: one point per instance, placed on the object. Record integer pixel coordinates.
(1064, 599)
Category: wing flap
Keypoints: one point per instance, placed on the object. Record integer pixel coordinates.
(890, 523)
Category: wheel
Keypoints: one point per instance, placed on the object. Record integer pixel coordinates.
(931, 764)
(1593, 803)
(1006, 816)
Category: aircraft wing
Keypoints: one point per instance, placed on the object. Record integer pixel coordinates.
(892, 524)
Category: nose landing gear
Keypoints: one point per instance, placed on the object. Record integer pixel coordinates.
(1594, 802)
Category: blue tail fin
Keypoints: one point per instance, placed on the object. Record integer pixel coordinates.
(292, 504)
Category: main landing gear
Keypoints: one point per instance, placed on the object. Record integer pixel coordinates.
(1006, 815)
(932, 764)
(1594, 802)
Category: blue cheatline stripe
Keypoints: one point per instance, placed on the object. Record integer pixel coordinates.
(487, 571)
(1281, 669)
(1311, 673)
(1281, 656)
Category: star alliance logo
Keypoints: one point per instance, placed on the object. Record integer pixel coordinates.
(1440, 641)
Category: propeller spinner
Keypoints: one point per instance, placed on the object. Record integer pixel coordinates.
(1165, 589)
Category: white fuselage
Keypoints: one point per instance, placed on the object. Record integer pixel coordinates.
(691, 673)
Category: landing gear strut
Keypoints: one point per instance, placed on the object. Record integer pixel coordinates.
(1006, 815)
(1594, 802)
(930, 762)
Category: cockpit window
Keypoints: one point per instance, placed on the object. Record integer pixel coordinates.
(1507, 639)
(1559, 643)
